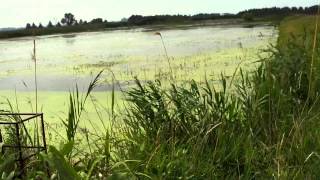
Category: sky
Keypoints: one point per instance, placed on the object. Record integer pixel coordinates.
(16, 13)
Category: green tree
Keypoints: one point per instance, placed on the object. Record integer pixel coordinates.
(58, 24)
(68, 19)
(33, 26)
(28, 26)
(50, 25)
(96, 21)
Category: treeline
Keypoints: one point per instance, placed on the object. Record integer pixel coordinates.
(275, 11)
(158, 19)
(68, 20)
(69, 23)
(246, 15)
(138, 20)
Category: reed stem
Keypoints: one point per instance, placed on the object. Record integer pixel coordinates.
(312, 68)
(35, 74)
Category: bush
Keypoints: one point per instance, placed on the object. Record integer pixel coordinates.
(248, 17)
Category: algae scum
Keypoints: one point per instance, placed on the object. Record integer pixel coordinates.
(67, 60)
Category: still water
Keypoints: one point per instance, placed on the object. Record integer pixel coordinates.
(64, 60)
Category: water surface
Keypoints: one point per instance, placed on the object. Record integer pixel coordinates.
(63, 60)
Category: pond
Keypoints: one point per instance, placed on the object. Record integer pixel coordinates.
(61, 57)
(68, 59)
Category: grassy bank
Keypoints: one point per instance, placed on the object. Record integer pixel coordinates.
(296, 26)
(262, 123)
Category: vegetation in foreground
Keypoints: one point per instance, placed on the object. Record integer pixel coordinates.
(259, 124)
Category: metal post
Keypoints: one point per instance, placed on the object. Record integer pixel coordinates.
(19, 149)
(1, 142)
(43, 133)
(44, 142)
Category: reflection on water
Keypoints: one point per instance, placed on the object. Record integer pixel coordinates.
(70, 38)
(69, 35)
(70, 41)
(54, 83)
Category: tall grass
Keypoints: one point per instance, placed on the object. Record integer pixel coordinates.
(76, 108)
(261, 128)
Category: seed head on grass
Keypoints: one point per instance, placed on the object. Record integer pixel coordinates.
(158, 33)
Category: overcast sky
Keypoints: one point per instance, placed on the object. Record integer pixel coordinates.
(16, 13)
